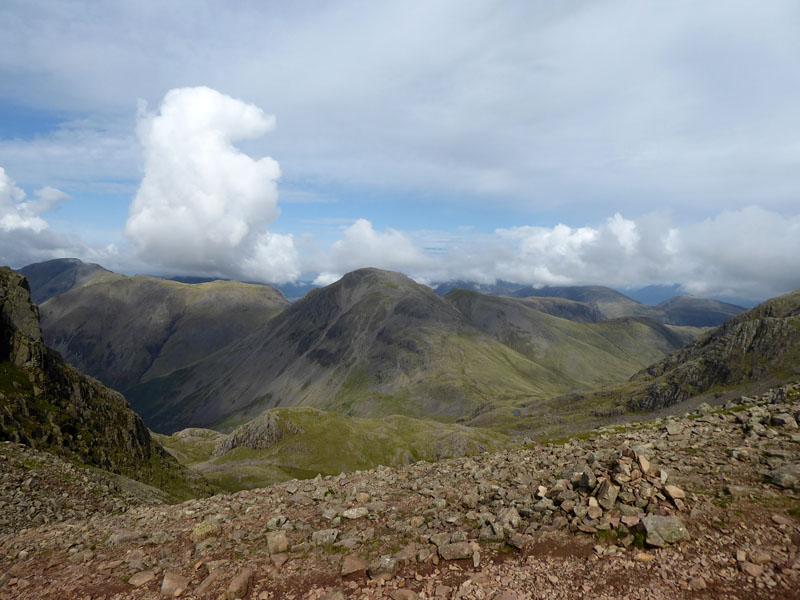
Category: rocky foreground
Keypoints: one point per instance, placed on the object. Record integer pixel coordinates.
(705, 506)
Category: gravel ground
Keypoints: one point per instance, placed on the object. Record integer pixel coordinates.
(702, 506)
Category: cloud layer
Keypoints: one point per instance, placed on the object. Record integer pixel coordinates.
(204, 206)
(592, 107)
(750, 253)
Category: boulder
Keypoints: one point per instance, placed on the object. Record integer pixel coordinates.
(383, 568)
(607, 494)
(456, 551)
(787, 476)
(662, 531)
(277, 542)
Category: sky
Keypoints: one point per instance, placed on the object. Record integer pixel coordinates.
(619, 143)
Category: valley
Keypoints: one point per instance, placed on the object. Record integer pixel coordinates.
(391, 441)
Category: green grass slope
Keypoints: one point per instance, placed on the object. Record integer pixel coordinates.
(288, 443)
(587, 354)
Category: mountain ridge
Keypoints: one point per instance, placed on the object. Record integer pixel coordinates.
(175, 324)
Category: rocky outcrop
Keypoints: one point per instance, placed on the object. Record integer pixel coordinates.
(20, 335)
(49, 405)
(261, 433)
(761, 343)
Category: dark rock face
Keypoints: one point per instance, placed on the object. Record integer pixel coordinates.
(46, 404)
(20, 336)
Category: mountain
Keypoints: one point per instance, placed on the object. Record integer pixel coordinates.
(761, 345)
(586, 354)
(49, 405)
(565, 309)
(686, 311)
(749, 353)
(653, 294)
(291, 291)
(610, 303)
(499, 288)
(698, 312)
(53, 277)
(375, 343)
(127, 330)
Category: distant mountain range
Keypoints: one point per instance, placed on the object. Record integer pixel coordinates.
(373, 344)
(373, 369)
(611, 304)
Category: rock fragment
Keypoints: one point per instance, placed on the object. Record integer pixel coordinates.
(239, 587)
(173, 584)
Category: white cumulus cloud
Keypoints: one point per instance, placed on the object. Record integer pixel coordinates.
(204, 206)
(752, 253)
(363, 246)
(25, 236)
(18, 212)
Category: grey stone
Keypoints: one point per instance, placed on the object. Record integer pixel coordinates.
(277, 542)
(456, 551)
(384, 568)
(141, 578)
(662, 530)
(353, 564)
(325, 537)
(607, 494)
(784, 420)
(787, 476)
(239, 587)
(355, 513)
(173, 584)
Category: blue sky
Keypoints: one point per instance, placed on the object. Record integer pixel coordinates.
(608, 142)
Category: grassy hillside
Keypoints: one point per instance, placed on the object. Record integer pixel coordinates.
(752, 352)
(701, 312)
(376, 344)
(288, 443)
(586, 354)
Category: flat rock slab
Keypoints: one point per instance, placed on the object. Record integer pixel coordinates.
(173, 584)
(240, 585)
(142, 578)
